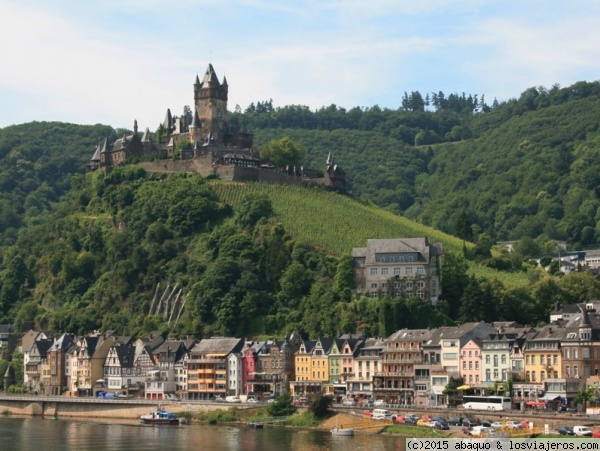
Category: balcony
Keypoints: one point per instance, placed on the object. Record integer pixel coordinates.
(400, 374)
(411, 361)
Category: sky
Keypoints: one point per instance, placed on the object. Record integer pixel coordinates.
(110, 62)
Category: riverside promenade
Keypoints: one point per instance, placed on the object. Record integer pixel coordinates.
(62, 406)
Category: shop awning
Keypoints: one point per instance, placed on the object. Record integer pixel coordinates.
(536, 403)
(464, 387)
(552, 398)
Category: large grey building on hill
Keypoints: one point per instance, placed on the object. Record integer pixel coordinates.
(405, 267)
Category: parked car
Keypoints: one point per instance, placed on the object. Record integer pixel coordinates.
(423, 422)
(441, 425)
(411, 420)
(124, 396)
(439, 419)
(110, 396)
(349, 402)
(596, 433)
(512, 424)
(469, 422)
(565, 409)
(480, 430)
(566, 430)
(457, 421)
(173, 398)
(218, 398)
(379, 403)
(486, 423)
(496, 425)
(381, 414)
(582, 431)
(101, 394)
(398, 419)
(251, 401)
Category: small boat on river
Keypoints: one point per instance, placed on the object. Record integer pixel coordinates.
(255, 425)
(342, 432)
(159, 417)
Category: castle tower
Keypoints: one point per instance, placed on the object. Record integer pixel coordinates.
(210, 99)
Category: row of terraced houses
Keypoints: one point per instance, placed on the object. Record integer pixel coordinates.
(412, 366)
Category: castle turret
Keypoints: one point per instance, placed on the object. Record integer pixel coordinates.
(210, 98)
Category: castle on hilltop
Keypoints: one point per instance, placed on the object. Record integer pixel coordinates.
(208, 144)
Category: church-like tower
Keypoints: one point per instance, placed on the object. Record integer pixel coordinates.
(210, 99)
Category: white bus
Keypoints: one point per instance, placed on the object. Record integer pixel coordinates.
(487, 402)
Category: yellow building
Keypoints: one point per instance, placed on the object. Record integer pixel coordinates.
(312, 366)
(542, 355)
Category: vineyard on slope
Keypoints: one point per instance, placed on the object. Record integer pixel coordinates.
(337, 223)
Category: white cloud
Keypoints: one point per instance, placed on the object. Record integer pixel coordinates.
(113, 62)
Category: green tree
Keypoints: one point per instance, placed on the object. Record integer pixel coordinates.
(282, 406)
(319, 404)
(253, 208)
(452, 392)
(283, 152)
(454, 280)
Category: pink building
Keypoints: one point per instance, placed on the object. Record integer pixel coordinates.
(470, 362)
(249, 365)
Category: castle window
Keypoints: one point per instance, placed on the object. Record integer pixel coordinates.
(384, 271)
(373, 271)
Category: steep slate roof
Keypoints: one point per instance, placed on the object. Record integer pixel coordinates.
(196, 120)
(42, 346)
(168, 122)
(96, 156)
(171, 351)
(146, 135)
(64, 342)
(467, 331)
(326, 343)
(400, 245)
(308, 346)
(409, 335)
(222, 345)
(126, 355)
(210, 78)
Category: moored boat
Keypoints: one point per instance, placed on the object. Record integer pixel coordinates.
(342, 432)
(255, 425)
(159, 417)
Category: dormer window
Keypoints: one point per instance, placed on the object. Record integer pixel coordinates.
(585, 334)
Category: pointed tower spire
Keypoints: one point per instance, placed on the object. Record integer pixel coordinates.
(195, 120)
(168, 122)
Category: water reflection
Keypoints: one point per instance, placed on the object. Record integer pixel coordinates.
(67, 435)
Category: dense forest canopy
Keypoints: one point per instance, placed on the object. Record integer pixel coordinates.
(83, 251)
(530, 160)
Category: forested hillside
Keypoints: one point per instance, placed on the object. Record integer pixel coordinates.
(523, 168)
(83, 251)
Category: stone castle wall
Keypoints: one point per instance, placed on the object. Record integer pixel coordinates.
(203, 166)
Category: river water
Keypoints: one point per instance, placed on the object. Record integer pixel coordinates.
(57, 435)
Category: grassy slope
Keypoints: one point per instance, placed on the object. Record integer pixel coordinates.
(338, 223)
